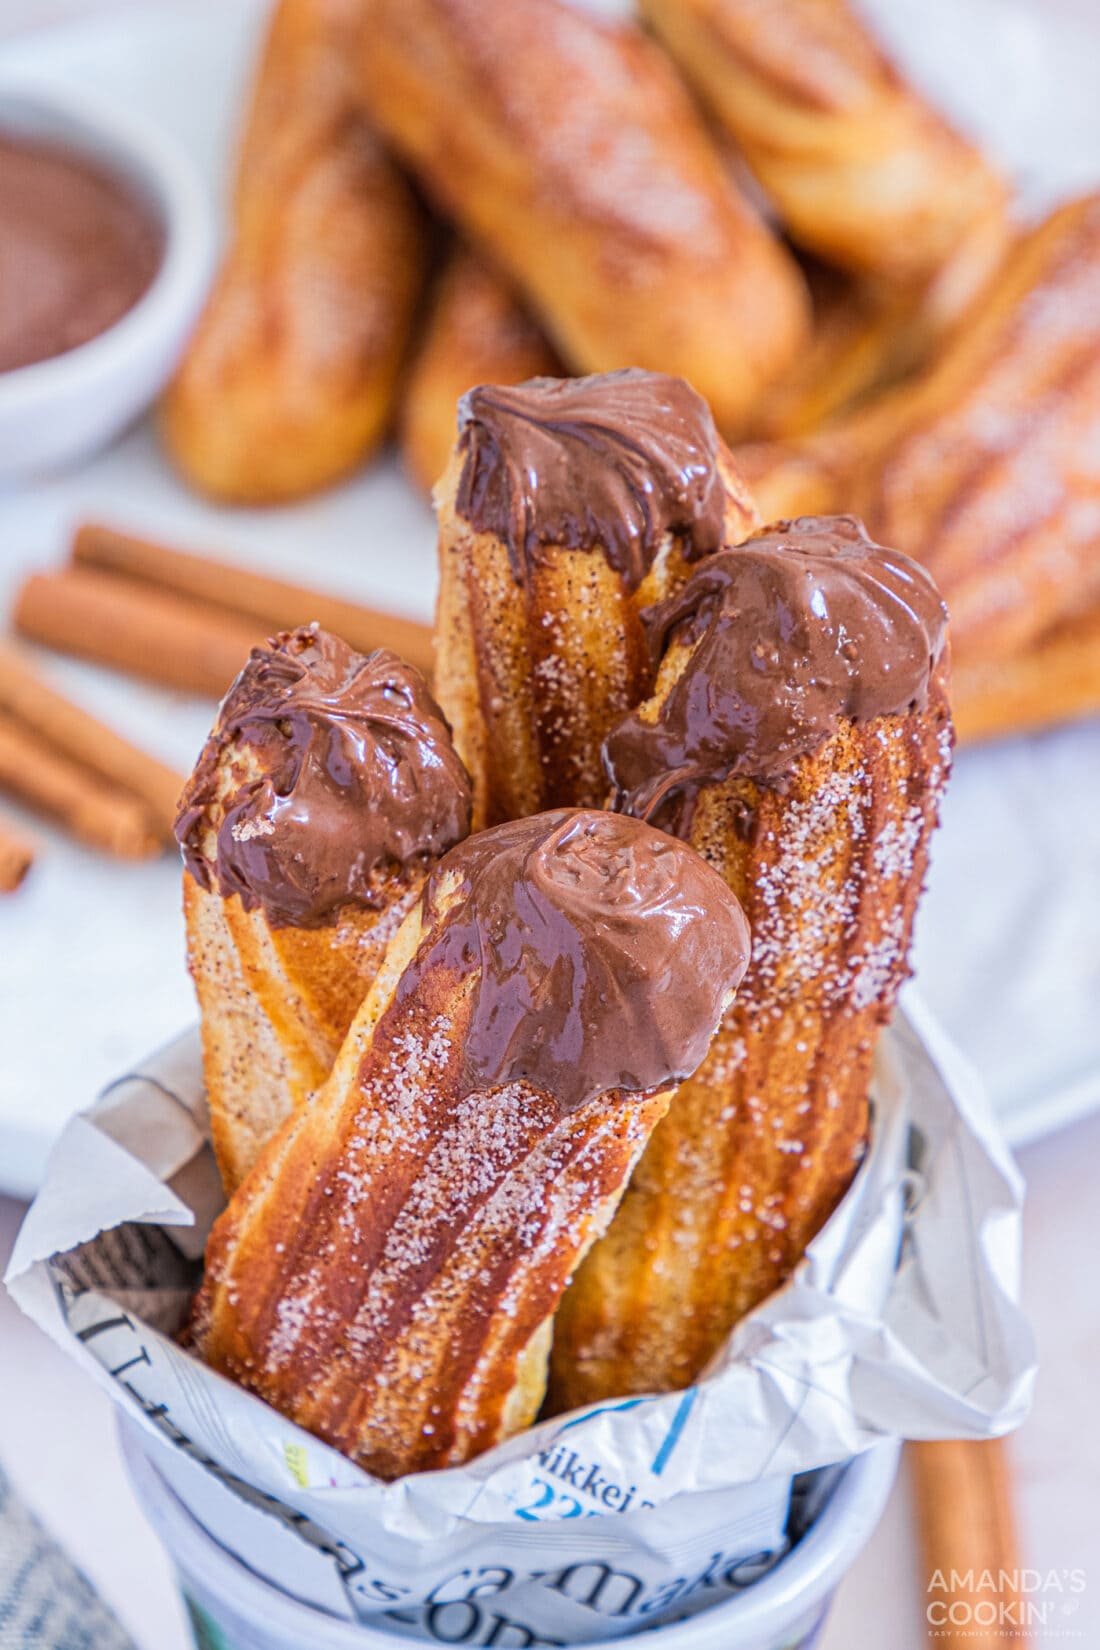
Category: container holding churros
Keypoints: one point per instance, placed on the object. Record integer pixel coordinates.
(860, 1344)
(550, 1204)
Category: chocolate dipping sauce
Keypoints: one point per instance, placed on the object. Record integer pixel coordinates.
(78, 248)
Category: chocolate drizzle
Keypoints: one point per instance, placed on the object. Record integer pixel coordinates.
(805, 624)
(603, 953)
(615, 462)
(325, 769)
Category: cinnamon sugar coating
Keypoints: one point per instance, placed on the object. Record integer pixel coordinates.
(863, 170)
(533, 676)
(387, 1274)
(322, 798)
(983, 466)
(827, 849)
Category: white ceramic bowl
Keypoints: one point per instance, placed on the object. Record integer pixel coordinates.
(55, 412)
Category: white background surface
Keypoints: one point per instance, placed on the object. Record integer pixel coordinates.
(49, 1413)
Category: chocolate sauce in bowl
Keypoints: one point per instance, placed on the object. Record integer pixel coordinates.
(79, 246)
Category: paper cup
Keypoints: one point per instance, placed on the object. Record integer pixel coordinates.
(231, 1608)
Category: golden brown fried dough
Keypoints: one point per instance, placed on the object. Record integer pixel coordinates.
(568, 148)
(275, 1004)
(984, 466)
(568, 507)
(793, 478)
(388, 1273)
(865, 337)
(326, 791)
(987, 467)
(289, 380)
(862, 170)
(478, 332)
(827, 854)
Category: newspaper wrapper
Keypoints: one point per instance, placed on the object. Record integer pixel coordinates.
(900, 1320)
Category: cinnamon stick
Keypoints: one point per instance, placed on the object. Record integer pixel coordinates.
(276, 604)
(92, 811)
(1056, 680)
(150, 633)
(16, 858)
(73, 732)
(968, 1539)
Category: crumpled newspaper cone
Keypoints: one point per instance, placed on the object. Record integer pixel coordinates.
(901, 1320)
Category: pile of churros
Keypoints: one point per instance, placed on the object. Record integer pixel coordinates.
(538, 1017)
(882, 332)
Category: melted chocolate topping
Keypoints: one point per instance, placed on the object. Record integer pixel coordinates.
(604, 953)
(613, 461)
(356, 774)
(805, 624)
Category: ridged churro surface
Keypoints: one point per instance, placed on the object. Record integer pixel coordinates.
(987, 468)
(863, 170)
(551, 545)
(387, 1273)
(568, 147)
(327, 789)
(276, 1003)
(827, 855)
(984, 465)
(290, 377)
